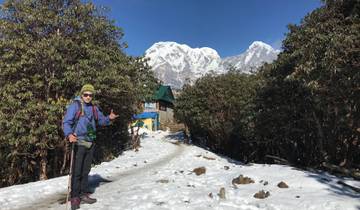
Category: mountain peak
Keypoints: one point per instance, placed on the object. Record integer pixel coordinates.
(170, 45)
(175, 63)
(260, 44)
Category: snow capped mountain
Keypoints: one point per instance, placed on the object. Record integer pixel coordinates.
(257, 54)
(174, 63)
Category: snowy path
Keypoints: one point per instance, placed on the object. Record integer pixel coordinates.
(119, 181)
(50, 193)
(160, 177)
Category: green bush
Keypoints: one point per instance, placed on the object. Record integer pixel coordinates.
(219, 111)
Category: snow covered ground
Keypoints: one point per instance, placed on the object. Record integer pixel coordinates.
(160, 176)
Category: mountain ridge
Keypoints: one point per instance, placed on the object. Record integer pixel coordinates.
(175, 63)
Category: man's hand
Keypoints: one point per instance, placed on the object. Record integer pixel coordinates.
(72, 138)
(112, 115)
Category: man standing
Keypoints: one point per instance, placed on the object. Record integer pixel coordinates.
(79, 126)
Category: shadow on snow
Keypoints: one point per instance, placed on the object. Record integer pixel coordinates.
(94, 181)
(336, 185)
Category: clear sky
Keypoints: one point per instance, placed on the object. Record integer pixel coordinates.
(228, 26)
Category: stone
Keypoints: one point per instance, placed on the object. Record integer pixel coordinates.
(262, 194)
(222, 193)
(199, 171)
(242, 180)
(282, 185)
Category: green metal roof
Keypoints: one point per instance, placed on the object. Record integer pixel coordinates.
(164, 93)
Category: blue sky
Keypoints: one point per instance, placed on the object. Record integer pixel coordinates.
(228, 26)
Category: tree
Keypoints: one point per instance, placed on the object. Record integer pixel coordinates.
(48, 50)
(316, 79)
(306, 106)
(218, 109)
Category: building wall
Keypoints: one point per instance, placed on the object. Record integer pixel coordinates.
(166, 116)
(148, 124)
(150, 107)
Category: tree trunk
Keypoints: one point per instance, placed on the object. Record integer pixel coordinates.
(321, 136)
(135, 139)
(43, 165)
(186, 135)
(12, 176)
(65, 157)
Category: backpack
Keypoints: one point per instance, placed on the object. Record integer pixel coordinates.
(80, 112)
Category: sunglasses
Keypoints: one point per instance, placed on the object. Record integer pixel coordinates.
(87, 95)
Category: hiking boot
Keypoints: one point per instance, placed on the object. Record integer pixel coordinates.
(85, 198)
(75, 203)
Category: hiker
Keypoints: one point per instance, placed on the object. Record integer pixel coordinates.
(79, 126)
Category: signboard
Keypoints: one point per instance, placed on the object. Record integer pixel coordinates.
(149, 106)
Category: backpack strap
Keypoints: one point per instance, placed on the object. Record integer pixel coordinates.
(79, 111)
(96, 114)
(78, 114)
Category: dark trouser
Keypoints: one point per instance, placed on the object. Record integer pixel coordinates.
(81, 169)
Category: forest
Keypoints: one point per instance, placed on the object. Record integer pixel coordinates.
(303, 109)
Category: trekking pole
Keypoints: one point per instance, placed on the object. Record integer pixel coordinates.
(70, 174)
